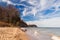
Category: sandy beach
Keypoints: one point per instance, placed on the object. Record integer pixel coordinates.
(15, 33)
(12, 33)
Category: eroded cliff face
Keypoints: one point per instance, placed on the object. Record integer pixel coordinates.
(11, 15)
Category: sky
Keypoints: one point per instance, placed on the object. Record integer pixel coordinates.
(43, 13)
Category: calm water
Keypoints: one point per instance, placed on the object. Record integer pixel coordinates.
(42, 33)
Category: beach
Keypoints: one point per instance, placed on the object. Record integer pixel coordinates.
(12, 33)
(43, 33)
(16, 33)
(38, 36)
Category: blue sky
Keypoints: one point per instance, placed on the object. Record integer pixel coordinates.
(43, 13)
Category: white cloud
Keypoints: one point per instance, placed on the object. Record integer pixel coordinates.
(5, 0)
(46, 4)
(8, 2)
(52, 22)
(53, 19)
(39, 5)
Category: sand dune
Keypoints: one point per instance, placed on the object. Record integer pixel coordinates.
(12, 33)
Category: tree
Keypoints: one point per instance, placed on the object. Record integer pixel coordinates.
(11, 15)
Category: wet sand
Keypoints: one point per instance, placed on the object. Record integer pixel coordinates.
(44, 33)
(38, 36)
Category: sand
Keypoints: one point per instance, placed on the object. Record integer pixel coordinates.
(12, 33)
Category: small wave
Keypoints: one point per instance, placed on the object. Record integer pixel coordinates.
(54, 37)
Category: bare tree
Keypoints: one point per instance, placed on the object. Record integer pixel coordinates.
(11, 15)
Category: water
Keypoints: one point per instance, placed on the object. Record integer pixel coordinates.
(42, 33)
